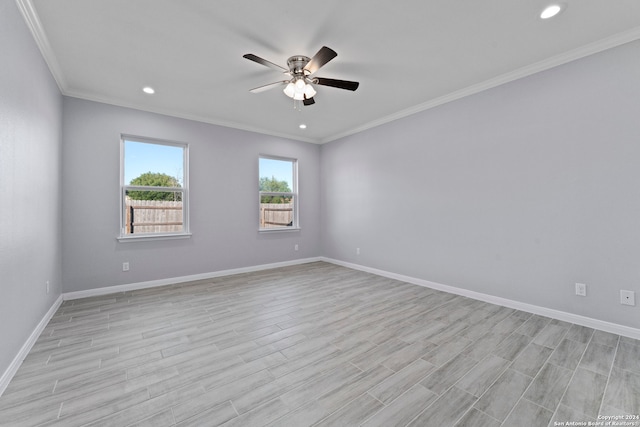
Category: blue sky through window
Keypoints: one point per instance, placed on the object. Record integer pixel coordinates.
(140, 157)
(282, 170)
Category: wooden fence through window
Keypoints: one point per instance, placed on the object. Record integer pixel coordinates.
(159, 216)
(153, 216)
(276, 215)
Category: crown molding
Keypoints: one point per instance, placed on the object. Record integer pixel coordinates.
(35, 26)
(192, 117)
(33, 22)
(546, 64)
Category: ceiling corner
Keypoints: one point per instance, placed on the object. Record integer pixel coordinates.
(37, 31)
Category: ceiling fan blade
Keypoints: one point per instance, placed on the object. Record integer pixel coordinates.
(308, 101)
(254, 58)
(323, 56)
(267, 87)
(340, 84)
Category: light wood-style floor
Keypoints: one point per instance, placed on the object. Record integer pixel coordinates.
(315, 344)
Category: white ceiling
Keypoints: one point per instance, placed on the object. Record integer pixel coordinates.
(407, 55)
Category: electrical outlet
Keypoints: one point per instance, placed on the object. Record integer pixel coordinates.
(125, 266)
(357, 251)
(581, 289)
(47, 286)
(295, 248)
(627, 298)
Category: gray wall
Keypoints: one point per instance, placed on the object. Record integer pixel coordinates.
(223, 199)
(30, 164)
(518, 192)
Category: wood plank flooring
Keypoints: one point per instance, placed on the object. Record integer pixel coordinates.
(320, 345)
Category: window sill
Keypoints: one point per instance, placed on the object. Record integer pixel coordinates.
(278, 230)
(153, 237)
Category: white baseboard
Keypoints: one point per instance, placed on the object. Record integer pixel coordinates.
(26, 347)
(602, 325)
(24, 351)
(543, 311)
(183, 279)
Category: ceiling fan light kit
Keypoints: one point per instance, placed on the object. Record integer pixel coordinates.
(300, 86)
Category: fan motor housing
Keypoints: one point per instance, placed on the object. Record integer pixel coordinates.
(297, 63)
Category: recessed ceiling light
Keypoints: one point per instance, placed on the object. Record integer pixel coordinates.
(303, 126)
(551, 11)
(149, 90)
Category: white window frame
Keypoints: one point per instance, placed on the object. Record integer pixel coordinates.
(124, 187)
(294, 194)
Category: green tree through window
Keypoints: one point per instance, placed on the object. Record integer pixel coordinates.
(155, 179)
(272, 185)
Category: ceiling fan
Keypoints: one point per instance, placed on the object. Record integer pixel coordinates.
(301, 70)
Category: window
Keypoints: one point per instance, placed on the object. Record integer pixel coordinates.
(154, 185)
(278, 193)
